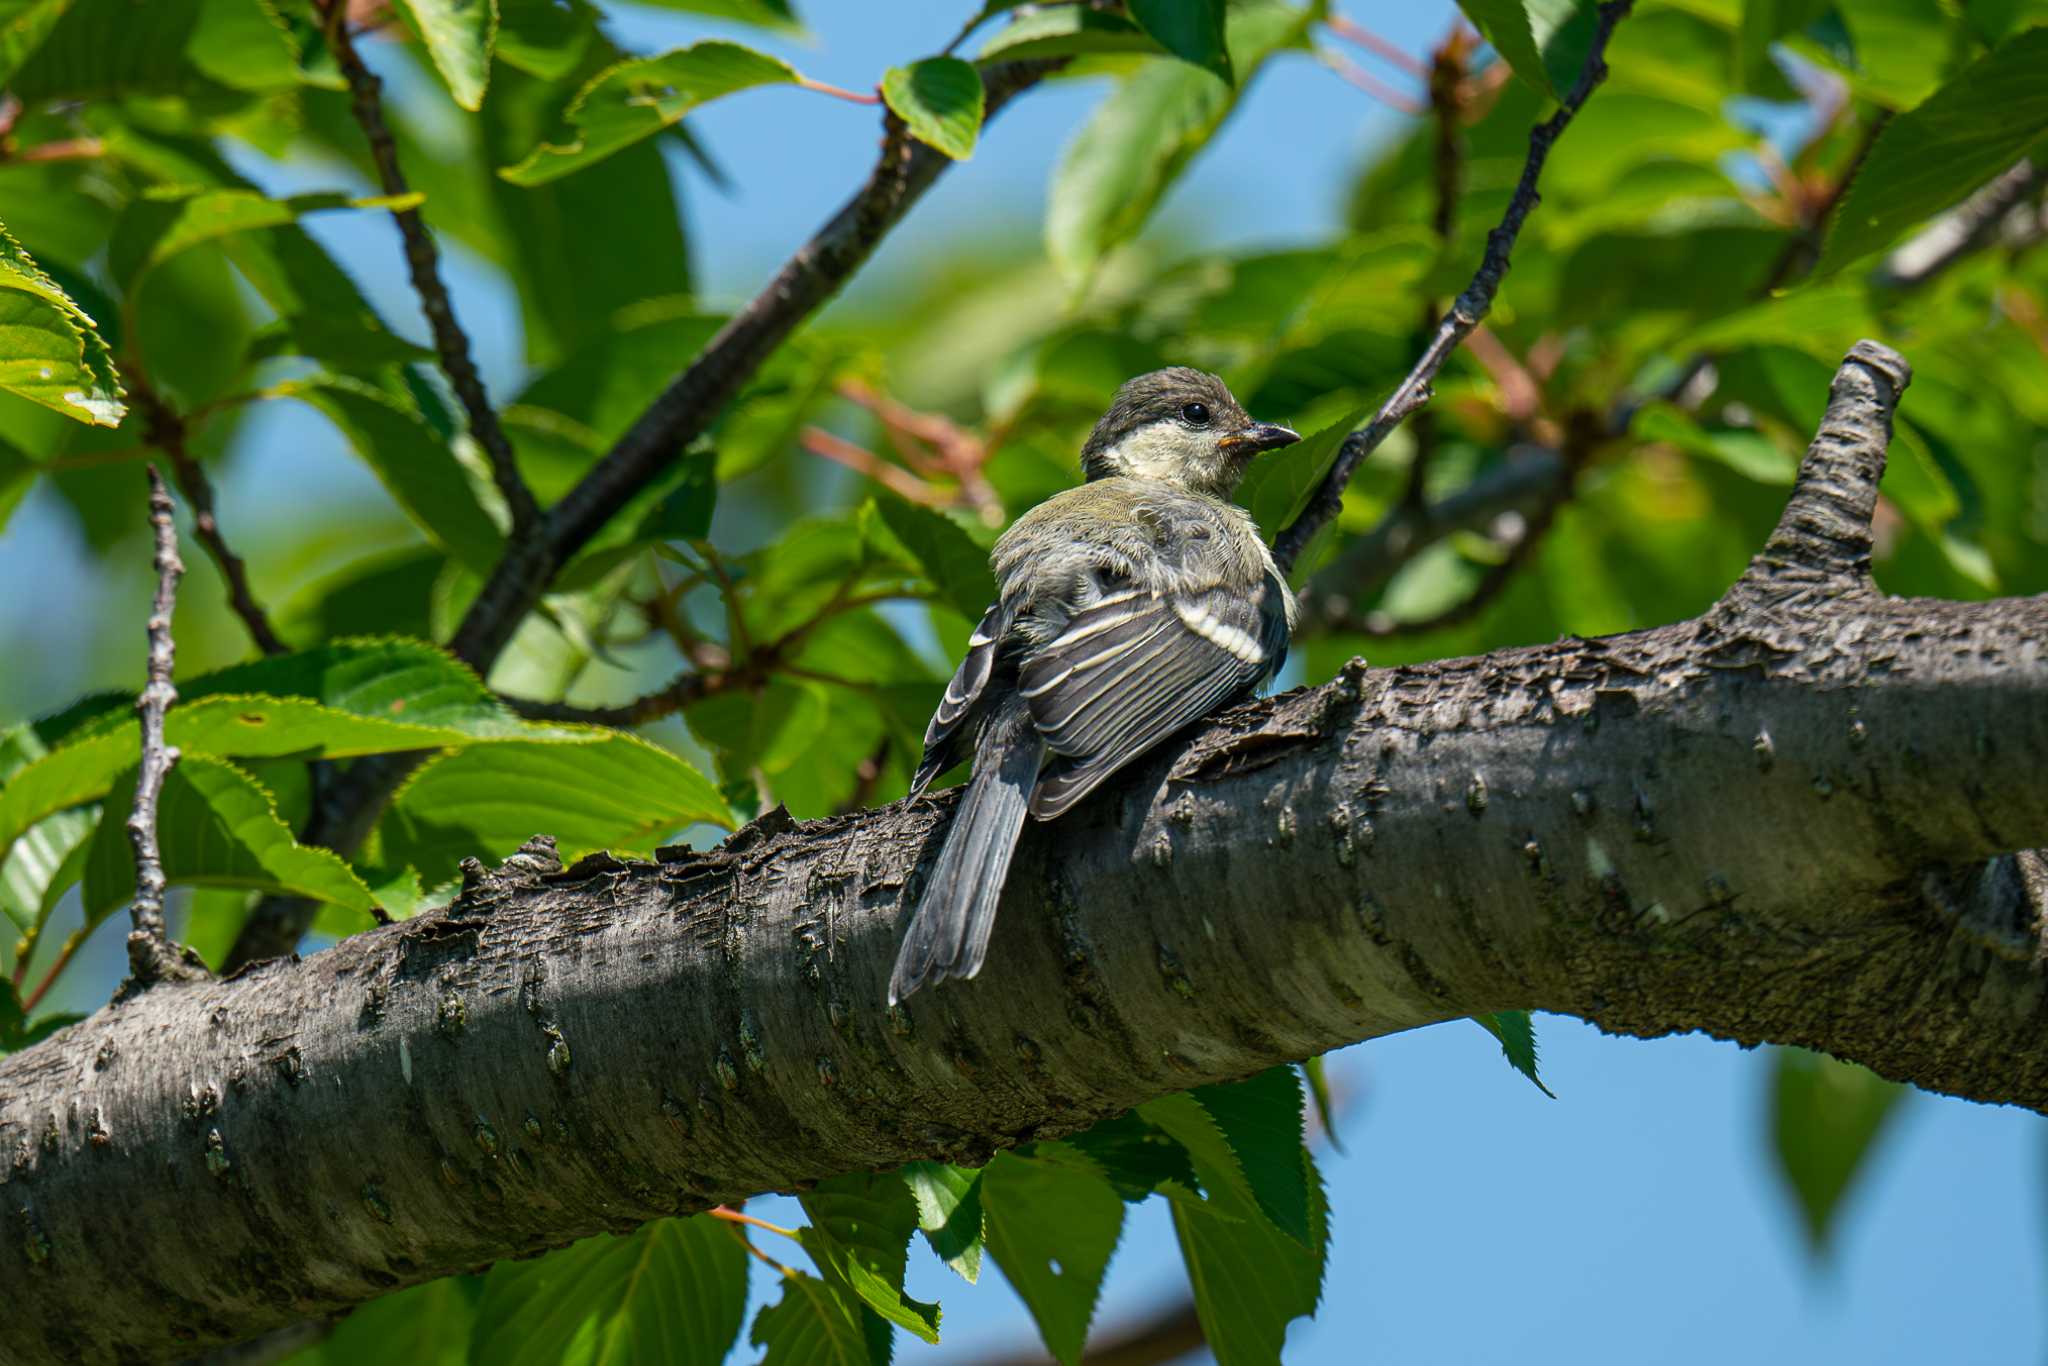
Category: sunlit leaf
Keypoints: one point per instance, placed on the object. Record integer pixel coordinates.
(217, 827)
(1051, 1229)
(619, 793)
(860, 1228)
(50, 352)
(813, 1324)
(1516, 1033)
(673, 1290)
(458, 35)
(949, 1213)
(941, 100)
(640, 97)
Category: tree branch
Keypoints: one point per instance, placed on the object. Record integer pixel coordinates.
(423, 261)
(1469, 310)
(164, 428)
(1793, 819)
(686, 409)
(152, 958)
(1978, 222)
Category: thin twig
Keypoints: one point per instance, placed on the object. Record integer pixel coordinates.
(1466, 313)
(838, 92)
(65, 149)
(1491, 584)
(861, 460)
(422, 259)
(1358, 33)
(1356, 75)
(151, 956)
(733, 1216)
(165, 428)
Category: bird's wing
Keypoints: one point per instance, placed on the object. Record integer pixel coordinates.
(963, 697)
(1132, 669)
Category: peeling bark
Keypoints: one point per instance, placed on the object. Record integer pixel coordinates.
(1801, 817)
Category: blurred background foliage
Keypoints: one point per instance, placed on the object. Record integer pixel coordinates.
(778, 611)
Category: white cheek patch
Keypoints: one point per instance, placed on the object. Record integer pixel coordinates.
(1158, 450)
(1221, 634)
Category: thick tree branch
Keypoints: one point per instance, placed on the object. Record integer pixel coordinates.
(423, 261)
(1792, 819)
(1467, 312)
(152, 958)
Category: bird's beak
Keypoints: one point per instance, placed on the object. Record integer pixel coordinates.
(1260, 436)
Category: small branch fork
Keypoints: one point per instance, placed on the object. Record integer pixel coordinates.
(1466, 313)
(152, 958)
(423, 260)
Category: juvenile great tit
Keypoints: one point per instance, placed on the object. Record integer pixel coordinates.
(1126, 609)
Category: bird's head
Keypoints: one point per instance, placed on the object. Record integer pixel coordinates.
(1180, 426)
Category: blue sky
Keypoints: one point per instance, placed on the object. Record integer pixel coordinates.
(1636, 1217)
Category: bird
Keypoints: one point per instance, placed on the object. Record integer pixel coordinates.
(1127, 608)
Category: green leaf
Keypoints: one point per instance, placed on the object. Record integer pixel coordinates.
(1826, 1118)
(1542, 41)
(859, 1232)
(1312, 1072)
(542, 37)
(1143, 136)
(588, 244)
(675, 507)
(1137, 1156)
(16, 1030)
(1933, 156)
(417, 466)
(674, 1290)
(1052, 1227)
(1748, 452)
(1250, 1278)
(457, 35)
(428, 1325)
(51, 352)
(1261, 1119)
(776, 15)
(43, 864)
(640, 97)
(1278, 485)
(217, 827)
(618, 792)
(349, 698)
(946, 554)
(813, 1324)
(1066, 31)
(1516, 1032)
(156, 228)
(949, 1212)
(1191, 30)
(23, 26)
(941, 99)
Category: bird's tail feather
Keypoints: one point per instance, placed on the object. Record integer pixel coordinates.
(949, 934)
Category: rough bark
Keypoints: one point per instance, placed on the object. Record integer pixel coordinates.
(1799, 817)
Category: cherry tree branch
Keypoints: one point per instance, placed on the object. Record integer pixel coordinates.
(423, 261)
(1797, 818)
(1466, 313)
(152, 958)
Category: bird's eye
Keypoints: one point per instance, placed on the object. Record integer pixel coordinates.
(1195, 414)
